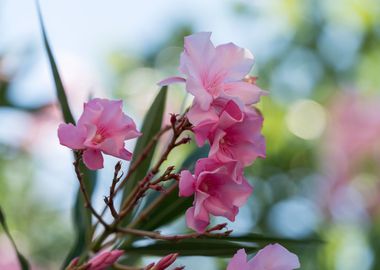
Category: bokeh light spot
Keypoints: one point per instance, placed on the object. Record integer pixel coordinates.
(306, 119)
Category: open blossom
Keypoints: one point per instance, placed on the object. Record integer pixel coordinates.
(219, 189)
(241, 141)
(234, 133)
(103, 127)
(213, 72)
(272, 257)
(222, 113)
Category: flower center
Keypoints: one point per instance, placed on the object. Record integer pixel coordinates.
(99, 137)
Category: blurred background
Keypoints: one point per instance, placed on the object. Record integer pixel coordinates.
(319, 59)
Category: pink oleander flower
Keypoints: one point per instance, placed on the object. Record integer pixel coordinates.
(241, 141)
(213, 72)
(272, 257)
(164, 263)
(99, 262)
(103, 127)
(222, 113)
(219, 189)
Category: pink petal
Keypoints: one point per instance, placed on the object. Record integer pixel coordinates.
(198, 54)
(234, 60)
(93, 159)
(196, 223)
(171, 80)
(201, 95)
(274, 257)
(186, 184)
(114, 146)
(71, 136)
(247, 92)
(238, 261)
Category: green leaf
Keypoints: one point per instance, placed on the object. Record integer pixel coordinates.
(81, 215)
(151, 126)
(192, 247)
(21, 259)
(264, 239)
(221, 246)
(61, 95)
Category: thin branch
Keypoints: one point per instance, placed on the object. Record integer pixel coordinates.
(87, 201)
(144, 214)
(110, 200)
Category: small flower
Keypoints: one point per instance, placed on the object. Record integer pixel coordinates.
(103, 127)
(213, 72)
(241, 141)
(272, 257)
(219, 189)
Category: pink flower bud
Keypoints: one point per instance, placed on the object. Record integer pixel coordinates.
(164, 263)
(104, 260)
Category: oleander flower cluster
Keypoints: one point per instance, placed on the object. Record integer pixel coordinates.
(222, 115)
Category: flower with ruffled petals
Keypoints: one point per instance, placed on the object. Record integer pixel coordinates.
(219, 189)
(241, 141)
(103, 127)
(272, 257)
(213, 72)
(222, 113)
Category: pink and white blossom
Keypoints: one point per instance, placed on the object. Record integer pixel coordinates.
(219, 189)
(271, 257)
(103, 127)
(212, 72)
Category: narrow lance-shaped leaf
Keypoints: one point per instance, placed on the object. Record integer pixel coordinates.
(151, 126)
(192, 247)
(21, 259)
(61, 95)
(81, 215)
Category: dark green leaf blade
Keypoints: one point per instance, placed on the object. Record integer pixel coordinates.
(265, 239)
(81, 215)
(151, 126)
(192, 247)
(21, 259)
(61, 95)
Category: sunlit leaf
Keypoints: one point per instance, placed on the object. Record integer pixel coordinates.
(81, 215)
(61, 95)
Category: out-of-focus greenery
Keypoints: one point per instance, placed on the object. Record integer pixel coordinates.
(320, 52)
